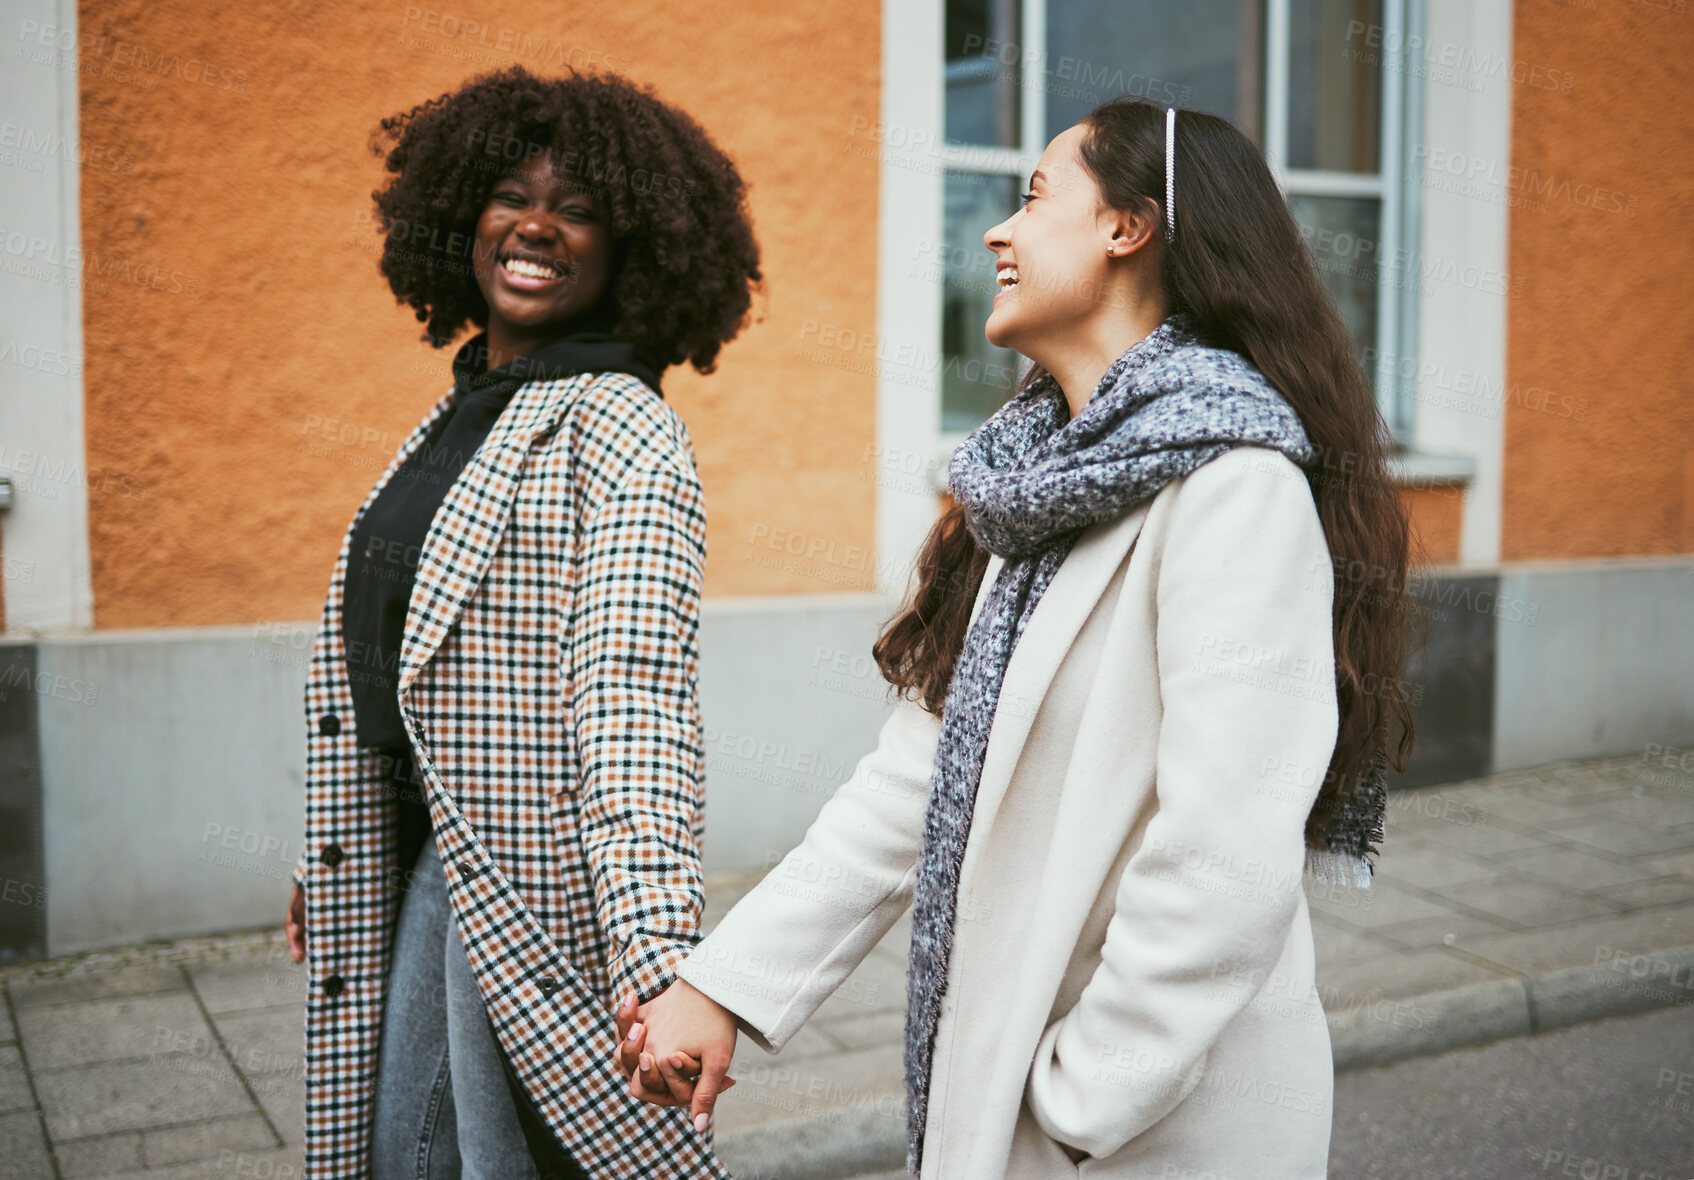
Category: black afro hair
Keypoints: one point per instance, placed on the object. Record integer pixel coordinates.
(687, 261)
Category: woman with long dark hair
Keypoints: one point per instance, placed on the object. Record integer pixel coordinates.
(1146, 697)
(504, 758)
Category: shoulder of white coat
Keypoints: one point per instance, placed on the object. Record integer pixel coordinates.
(1253, 467)
(1243, 525)
(1256, 492)
(617, 425)
(1244, 471)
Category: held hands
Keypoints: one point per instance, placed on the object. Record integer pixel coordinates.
(675, 1049)
(295, 924)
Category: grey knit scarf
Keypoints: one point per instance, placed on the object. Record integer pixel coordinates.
(1030, 480)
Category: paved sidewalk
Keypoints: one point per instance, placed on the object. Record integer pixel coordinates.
(183, 1059)
(166, 1060)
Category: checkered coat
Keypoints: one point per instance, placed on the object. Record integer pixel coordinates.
(547, 680)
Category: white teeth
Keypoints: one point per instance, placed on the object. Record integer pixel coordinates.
(1007, 278)
(523, 268)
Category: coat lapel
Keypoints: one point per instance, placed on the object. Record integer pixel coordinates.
(466, 530)
(1069, 599)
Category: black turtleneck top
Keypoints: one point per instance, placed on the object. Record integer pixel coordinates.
(383, 558)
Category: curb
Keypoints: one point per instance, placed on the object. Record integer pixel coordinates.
(854, 1141)
(1502, 1008)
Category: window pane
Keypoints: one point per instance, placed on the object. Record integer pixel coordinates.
(1198, 54)
(1334, 84)
(1342, 234)
(976, 377)
(982, 71)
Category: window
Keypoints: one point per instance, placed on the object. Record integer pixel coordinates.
(1306, 79)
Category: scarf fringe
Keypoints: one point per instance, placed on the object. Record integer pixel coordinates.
(1339, 868)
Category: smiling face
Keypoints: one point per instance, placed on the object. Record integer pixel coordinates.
(1051, 257)
(543, 253)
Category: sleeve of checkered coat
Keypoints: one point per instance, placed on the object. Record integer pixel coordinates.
(634, 655)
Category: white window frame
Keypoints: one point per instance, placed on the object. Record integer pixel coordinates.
(910, 224)
(1387, 185)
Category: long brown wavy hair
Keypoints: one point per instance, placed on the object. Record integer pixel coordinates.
(1239, 269)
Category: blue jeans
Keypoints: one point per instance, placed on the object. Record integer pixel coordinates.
(443, 1110)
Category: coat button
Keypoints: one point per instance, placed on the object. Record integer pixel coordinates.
(333, 985)
(332, 855)
(329, 725)
(548, 985)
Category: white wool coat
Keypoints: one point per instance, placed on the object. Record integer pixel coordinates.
(1132, 973)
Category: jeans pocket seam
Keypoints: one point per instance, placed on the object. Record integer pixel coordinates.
(432, 1114)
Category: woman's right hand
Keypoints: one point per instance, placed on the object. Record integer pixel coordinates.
(296, 924)
(680, 1032)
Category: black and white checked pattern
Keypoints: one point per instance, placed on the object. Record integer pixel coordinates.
(548, 679)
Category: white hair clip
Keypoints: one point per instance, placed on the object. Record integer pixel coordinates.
(1170, 174)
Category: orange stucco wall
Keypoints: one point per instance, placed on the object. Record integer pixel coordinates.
(1602, 243)
(241, 312)
(1437, 514)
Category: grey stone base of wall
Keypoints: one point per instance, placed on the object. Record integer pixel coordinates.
(153, 780)
(1544, 662)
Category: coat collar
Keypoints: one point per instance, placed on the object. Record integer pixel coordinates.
(1058, 618)
(453, 560)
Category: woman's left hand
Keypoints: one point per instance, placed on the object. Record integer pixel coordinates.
(676, 1048)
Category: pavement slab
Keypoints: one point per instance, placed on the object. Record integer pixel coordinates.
(23, 1147)
(267, 1047)
(15, 1093)
(267, 980)
(70, 987)
(1441, 930)
(132, 1095)
(1577, 867)
(207, 1140)
(60, 1035)
(100, 1155)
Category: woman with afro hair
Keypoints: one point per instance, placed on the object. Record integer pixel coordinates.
(504, 768)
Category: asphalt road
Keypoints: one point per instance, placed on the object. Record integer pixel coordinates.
(1612, 1100)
